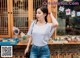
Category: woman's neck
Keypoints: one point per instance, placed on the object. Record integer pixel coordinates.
(42, 21)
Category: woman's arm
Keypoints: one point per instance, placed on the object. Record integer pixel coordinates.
(28, 44)
(29, 36)
(54, 21)
(29, 41)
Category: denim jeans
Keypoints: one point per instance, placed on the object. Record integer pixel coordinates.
(40, 52)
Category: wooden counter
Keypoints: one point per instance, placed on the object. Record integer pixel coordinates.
(50, 43)
(57, 50)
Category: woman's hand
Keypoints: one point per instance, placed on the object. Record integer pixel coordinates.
(26, 51)
(28, 45)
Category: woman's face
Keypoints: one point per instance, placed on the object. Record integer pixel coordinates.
(40, 15)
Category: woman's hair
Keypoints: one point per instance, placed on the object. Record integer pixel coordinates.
(44, 9)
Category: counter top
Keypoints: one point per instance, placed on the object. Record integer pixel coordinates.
(50, 42)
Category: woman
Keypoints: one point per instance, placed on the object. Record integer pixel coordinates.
(39, 33)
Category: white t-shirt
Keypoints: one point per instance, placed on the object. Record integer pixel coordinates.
(40, 34)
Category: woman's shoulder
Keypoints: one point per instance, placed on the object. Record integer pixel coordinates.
(50, 24)
(34, 21)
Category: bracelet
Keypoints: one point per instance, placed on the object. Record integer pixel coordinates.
(49, 13)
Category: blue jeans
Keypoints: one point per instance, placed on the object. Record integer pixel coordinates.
(40, 52)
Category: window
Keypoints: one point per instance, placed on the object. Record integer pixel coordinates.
(68, 18)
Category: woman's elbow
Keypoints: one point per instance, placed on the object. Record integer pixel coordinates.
(56, 25)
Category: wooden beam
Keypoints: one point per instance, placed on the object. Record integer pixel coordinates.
(49, 9)
(30, 12)
(11, 16)
(8, 9)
